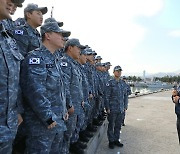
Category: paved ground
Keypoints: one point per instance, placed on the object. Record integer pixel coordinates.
(150, 127)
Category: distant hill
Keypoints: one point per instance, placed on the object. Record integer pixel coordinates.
(162, 74)
(159, 74)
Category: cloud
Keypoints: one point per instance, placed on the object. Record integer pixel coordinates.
(175, 33)
(109, 27)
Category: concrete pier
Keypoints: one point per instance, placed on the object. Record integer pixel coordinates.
(150, 127)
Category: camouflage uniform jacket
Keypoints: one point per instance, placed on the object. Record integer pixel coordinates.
(115, 92)
(27, 38)
(43, 92)
(10, 59)
(74, 82)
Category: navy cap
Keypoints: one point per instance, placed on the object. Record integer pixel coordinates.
(53, 27)
(17, 1)
(74, 42)
(34, 7)
(94, 53)
(66, 38)
(18, 4)
(60, 24)
(98, 64)
(117, 68)
(108, 64)
(83, 52)
(90, 51)
(98, 58)
(103, 64)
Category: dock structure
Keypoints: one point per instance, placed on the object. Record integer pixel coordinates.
(150, 128)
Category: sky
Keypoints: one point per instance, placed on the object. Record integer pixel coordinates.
(138, 35)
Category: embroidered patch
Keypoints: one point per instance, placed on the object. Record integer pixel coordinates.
(63, 64)
(34, 61)
(107, 84)
(50, 65)
(19, 32)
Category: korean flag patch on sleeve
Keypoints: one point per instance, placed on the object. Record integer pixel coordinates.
(64, 64)
(19, 32)
(35, 61)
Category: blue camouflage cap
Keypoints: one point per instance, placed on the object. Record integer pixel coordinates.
(53, 27)
(103, 64)
(18, 3)
(60, 24)
(83, 52)
(90, 51)
(74, 42)
(108, 64)
(117, 68)
(66, 38)
(98, 64)
(34, 7)
(98, 58)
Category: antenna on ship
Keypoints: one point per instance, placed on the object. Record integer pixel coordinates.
(52, 11)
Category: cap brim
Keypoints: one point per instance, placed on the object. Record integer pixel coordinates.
(82, 47)
(19, 5)
(117, 69)
(17, 1)
(43, 10)
(65, 33)
(60, 24)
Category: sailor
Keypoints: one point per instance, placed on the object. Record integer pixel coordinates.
(44, 94)
(10, 58)
(114, 105)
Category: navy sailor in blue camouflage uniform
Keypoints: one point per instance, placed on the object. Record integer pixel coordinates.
(10, 58)
(128, 92)
(44, 94)
(74, 90)
(114, 104)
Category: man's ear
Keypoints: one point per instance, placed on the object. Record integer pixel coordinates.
(47, 36)
(28, 15)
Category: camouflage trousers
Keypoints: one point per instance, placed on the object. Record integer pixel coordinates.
(79, 125)
(178, 128)
(87, 109)
(44, 144)
(123, 117)
(71, 125)
(6, 147)
(114, 126)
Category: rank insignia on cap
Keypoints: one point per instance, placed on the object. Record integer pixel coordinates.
(34, 61)
(19, 32)
(63, 64)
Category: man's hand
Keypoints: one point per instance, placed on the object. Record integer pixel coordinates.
(66, 116)
(90, 96)
(52, 125)
(174, 93)
(20, 119)
(108, 111)
(176, 99)
(71, 110)
(82, 104)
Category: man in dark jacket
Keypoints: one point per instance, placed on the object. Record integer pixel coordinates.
(176, 100)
